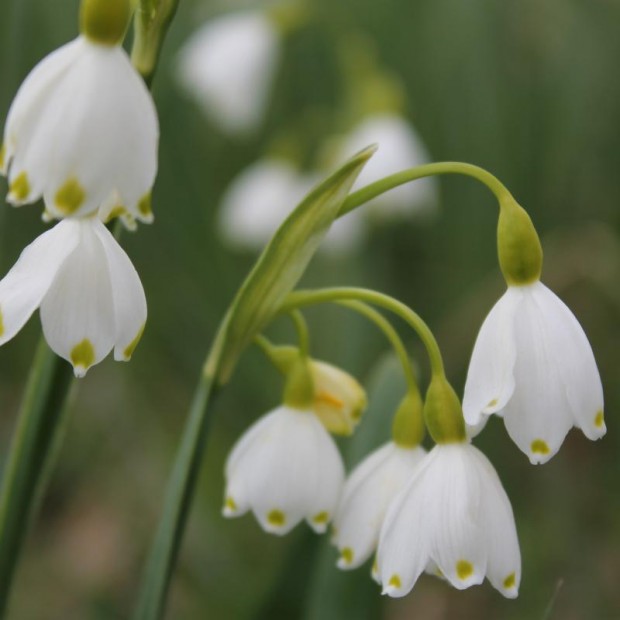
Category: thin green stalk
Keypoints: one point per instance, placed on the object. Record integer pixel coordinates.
(303, 335)
(180, 492)
(302, 298)
(391, 334)
(377, 188)
(34, 442)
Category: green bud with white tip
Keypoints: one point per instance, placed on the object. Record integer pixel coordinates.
(105, 21)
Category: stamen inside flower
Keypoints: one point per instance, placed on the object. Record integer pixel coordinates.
(540, 447)
(20, 187)
(464, 569)
(329, 399)
(276, 518)
(69, 197)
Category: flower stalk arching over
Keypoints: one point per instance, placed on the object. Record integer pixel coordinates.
(82, 132)
(90, 296)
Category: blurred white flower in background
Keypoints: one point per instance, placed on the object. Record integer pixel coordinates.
(285, 468)
(82, 132)
(229, 66)
(90, 296)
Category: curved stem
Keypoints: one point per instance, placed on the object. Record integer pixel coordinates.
(391, 334)
(303, 335)
(301, 298)
(377, 188)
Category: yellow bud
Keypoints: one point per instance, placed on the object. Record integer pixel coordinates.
(105, 21)
(339, 400)
(518, 245)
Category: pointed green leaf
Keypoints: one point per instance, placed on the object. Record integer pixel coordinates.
(280, 266)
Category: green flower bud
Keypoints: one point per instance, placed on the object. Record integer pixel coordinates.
(443, 412)
(105, 21)
(408, 424)
(518, 245)
(299, 387)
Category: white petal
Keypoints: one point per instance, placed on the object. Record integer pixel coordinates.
(538, 415)
(229, 66)
(23, 288)
(77, 312)
(502, 543)
(575, 361)
(490, 380)
(372, 485)
(127, 293)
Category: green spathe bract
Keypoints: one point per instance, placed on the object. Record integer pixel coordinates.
(105, 21)
(443, 412)
(518, 246)
(280, 267)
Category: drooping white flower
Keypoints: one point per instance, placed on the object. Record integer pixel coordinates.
(367, 492)
(285, 468)
(90, 296)
(400, 148)
(82, 133)
(454, 519)
(229, 66)
(533, 365)
(263, 195)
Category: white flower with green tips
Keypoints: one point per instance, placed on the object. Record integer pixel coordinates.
(533, 365)
(89, 294)
(285, 468)
(453, 519)
(368, 491)
(82, 131)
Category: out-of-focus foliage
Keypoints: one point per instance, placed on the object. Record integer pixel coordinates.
(525, 88)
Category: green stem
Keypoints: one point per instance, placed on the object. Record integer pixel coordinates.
(303, 335)
(391, 334)
(36, 439)
(301, 298)
(377, 188)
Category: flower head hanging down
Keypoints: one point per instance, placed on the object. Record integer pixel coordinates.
(82, 131)
(532, 362)
(453, 519)
(400, 147)
(229, 66)
(285, 468)
(368, 491)
(90, 296)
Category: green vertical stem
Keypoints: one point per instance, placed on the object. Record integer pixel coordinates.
(177, 502)
(41, 416)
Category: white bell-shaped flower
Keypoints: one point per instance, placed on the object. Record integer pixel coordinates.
(285, 468)
(367, 492)
(533, 365)
(453, 519)
(260, 198)
(229, 66)
(82, 132)
(400, 148)
(89, 293)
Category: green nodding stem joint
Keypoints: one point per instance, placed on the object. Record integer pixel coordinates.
(105, 21)
(299, 387)
(443, 412)
(408, 424)
(518, 246)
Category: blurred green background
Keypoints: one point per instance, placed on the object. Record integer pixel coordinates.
(525, 88)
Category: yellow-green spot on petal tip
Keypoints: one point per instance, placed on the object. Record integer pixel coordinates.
(83, 354)
(321, 518)
(346, 555)
(510, 581)
(464, 569)
(131, 347)
(117, 211)
(145, 206)
(375, 567)
(492, 403)
(70, 197)
(1, 324)
(2, 156)
(540, 447)
(20, 187)
(599, 419)
(394, 581)
(230, 504)
(276, 518)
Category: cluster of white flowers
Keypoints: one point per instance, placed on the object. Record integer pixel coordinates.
(82, 134)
